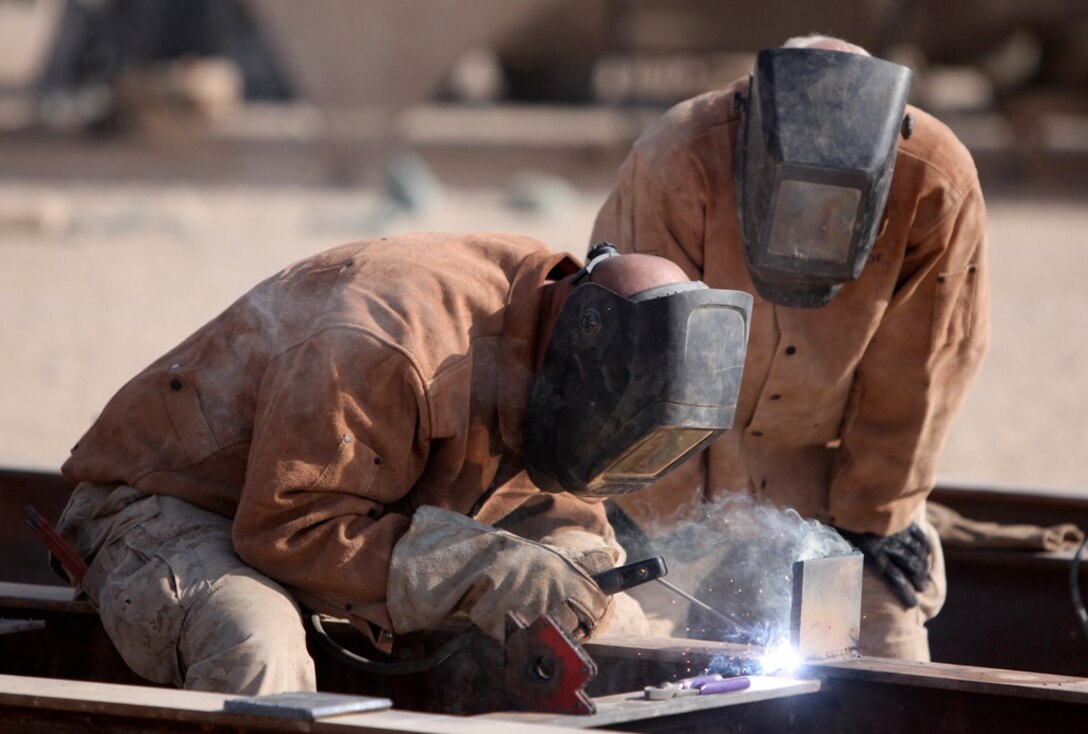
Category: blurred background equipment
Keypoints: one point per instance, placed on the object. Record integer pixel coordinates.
(216, 140)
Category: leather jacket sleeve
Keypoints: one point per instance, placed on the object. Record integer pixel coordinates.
(334, 443)
(915, 373)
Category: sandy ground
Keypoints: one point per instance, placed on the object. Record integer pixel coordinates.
(112, 275)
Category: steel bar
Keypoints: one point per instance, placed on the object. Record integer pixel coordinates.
(746, 631)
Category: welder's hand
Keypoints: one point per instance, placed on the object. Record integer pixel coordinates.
(901, 559)
(447, 562)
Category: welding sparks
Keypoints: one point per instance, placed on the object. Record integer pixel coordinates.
(781, 658)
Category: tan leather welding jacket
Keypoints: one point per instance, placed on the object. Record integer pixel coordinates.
(332, 400)
(843, 409)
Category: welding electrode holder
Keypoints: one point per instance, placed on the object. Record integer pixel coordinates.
(622, 578)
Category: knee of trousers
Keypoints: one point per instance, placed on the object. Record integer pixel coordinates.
(246, 636)
(888, 629)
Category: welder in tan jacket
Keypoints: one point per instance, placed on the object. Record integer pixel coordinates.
(354, 431)
(871, 317)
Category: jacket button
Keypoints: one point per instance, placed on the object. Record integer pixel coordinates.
(175, 384)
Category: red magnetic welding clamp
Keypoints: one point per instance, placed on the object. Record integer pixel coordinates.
(544, 668)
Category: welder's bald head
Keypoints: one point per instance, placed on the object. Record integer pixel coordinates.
(626, 275)
(827, 43)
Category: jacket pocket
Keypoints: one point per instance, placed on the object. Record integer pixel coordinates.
(351, 470)
(183, 405)
(953, 311)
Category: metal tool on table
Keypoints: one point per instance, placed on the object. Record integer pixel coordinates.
(700, 685)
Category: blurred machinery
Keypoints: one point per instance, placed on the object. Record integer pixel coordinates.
(355, 82)
(361, 62)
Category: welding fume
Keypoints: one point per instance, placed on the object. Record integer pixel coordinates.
(731, 572)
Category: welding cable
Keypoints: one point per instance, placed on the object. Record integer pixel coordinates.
(405, 667)
(1074, 584)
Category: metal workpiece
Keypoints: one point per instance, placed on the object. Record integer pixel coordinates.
(1019, 684)
(856, 695)
(825, 609)
(825, 612)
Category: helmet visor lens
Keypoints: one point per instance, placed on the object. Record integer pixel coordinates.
(651, 456)
(814, 221)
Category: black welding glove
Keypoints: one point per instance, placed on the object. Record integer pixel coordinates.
(901, 559)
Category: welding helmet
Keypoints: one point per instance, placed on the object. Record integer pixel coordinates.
(630, 387)
(813, 167)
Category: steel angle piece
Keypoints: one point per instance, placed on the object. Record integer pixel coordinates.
(825, 618)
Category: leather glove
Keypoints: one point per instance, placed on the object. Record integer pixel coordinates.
(900, 559)
(447, 562)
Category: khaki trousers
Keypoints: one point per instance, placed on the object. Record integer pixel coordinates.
(178, 603)
(888, 630)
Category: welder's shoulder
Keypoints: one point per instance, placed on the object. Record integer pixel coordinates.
(938, 156)
(698, 127)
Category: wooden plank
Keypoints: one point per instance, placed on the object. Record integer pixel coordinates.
(188, 708)
(42, 596)
(962, 678)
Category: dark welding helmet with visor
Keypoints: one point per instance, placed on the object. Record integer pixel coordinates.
(631, 387)
(813, 168)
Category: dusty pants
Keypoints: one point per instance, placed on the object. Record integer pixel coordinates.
(888, 629)
(179, 605)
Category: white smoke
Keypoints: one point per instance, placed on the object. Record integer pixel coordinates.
(739, 560)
